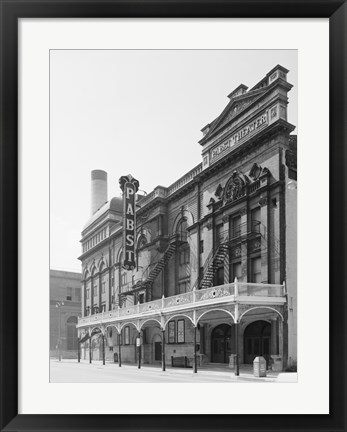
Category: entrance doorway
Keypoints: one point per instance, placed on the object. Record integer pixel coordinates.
(157, 351)
(221, 344)
(257, 341)
(156, 356)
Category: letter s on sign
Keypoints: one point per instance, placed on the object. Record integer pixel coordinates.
(130, 240)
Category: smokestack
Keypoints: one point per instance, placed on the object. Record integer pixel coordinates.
(99, 189)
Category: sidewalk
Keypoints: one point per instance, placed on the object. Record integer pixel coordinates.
(208, 370)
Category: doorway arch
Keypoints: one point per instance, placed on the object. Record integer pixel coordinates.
(221, 343)
(156, 347)
(256, 338)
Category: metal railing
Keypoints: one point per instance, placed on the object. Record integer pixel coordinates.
(217, 294)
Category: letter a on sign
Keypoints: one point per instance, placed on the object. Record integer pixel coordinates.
(129, 187)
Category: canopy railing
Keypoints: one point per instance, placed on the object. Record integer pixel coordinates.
(222, 293)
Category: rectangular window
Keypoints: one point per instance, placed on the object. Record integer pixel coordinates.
(78, 294)
(184, 256)
(141, 298)
(103, 307)
(103, 285)
(87, 293)
(69, 293)
(256, 270)
(124, 278)
(219, 279)
(235, 227)
(219, 234)
(183, 287)
(236, 271)
(172, 332)
(95, 290)
(126, 336)
(180, 331)
(255, 220)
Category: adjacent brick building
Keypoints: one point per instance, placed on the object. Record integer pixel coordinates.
(65, 308)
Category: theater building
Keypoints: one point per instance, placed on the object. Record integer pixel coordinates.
(213, 278)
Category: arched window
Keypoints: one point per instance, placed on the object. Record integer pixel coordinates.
(71, 333)
(183, 258)
(182, 229)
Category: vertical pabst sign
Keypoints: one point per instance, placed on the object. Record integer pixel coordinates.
(129, 186)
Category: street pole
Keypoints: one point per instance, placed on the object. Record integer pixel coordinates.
(90, 349)
(78, 350)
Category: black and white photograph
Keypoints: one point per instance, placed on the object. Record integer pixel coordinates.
(173, 216)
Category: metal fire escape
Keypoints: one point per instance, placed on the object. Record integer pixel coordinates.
(217, 256)
(146, 284)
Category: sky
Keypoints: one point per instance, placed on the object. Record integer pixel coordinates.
(136, 112)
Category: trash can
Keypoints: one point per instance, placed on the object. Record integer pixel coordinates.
(277, 364)
(115, 357)
(259, 367)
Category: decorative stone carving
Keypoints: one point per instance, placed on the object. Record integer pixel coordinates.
(254, 245)
(235, 187)
(263, 201)
(210, 203)
(236, 252)
(255, 171)
(219, 192)
(225, 218)
(209, 225)
(273, 112)
(243, 211)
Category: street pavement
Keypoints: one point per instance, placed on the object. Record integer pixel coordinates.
(70, 371)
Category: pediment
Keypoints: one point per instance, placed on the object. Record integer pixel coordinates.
(234, 107)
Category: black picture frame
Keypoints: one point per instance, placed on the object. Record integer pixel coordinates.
(11, 11)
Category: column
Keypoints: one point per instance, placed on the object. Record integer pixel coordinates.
(244, 249)
(237, 362)
(100, 284)
(274, 350)
(103, 349)
(265, 240)
(119, 350)
(195, 358)
(277, 353)
(138, 343)
(163, 350)
(92, 295)
(84, 294)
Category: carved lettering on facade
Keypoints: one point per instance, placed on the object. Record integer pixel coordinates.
(238, 136)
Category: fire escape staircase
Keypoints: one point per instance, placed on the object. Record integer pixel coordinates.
(212, 263)
(146, 284)
(217, 256)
